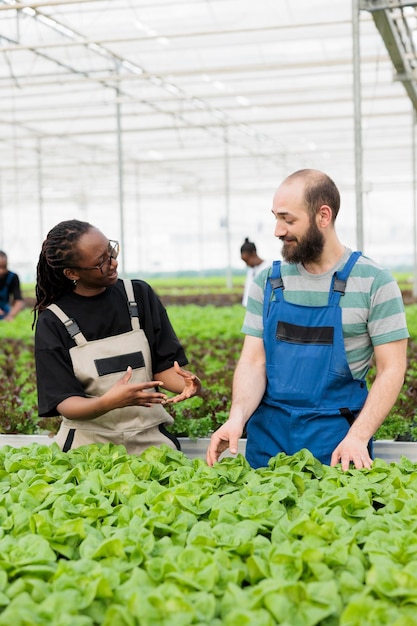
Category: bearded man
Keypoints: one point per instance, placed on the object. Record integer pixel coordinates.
(314, 324)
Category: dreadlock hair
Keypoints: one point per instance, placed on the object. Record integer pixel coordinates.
(59, 250)
(248, 247)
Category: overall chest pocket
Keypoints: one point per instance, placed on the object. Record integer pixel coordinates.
(298, 364)
(311, 335)
(119, 363)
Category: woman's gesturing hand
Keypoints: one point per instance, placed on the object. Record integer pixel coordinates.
(125, 393)
(192, 385)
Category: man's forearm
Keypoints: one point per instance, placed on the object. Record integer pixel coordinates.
(17, 306)
(249, 384)
(381, 398)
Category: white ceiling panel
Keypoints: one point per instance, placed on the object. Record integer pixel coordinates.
(167, 121)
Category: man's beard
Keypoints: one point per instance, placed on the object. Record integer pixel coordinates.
(307, 250)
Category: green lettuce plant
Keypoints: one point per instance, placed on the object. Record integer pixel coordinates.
(97, 537)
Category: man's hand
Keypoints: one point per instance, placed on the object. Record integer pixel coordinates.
(227, 436)
(351, 450)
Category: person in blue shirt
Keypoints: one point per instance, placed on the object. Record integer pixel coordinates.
(11, 301)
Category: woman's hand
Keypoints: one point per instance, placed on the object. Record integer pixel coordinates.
(122, 394)
(192, 385)
(126, 393)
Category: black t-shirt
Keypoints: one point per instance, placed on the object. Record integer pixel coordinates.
(100, 316)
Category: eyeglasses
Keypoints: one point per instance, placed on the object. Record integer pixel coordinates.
(104, 266)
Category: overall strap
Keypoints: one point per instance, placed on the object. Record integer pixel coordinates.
(339, 279)
(274, 282)
(70, 324)
(132, 304)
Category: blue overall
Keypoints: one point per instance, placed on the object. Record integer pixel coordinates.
(4, 295)
(311, 398)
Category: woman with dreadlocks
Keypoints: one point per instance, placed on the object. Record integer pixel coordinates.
(103, 346)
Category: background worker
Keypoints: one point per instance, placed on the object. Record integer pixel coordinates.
(313, 325)
(255, 264)
(103, 346)
(11, 301)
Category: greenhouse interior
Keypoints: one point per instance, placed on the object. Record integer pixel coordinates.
(169, 124)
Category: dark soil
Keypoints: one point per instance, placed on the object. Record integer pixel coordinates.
(200, 299)
(216, 299)
(408, 297)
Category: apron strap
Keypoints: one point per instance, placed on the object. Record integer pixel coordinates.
(132, 304)
(69, 440)
(72, 327)
(70, 324)
(339, 279)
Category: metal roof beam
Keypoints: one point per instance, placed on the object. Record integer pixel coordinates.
(19, 6)
(383, 5)
(383, 17)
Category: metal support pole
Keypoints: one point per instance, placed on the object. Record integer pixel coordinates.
(138, 213)
(2, 237)
(357, 125)
(40, 188)
(200, 230)
(121, 181)
(414, 164)
(229, 282)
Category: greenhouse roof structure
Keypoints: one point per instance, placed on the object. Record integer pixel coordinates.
(170, 123)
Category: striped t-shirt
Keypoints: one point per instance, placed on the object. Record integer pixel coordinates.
(372, 306)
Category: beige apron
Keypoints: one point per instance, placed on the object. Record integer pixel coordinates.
(98, 365)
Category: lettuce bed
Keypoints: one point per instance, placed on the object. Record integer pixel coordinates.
(96, 536)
